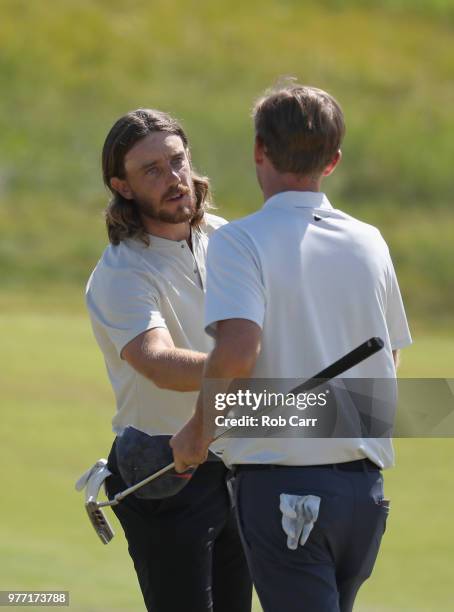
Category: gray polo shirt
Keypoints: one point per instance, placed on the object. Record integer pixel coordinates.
(135, 288)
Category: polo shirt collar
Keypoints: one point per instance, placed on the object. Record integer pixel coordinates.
(156, 242)
(298, 199)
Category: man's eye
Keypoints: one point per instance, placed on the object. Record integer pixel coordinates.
(178, 161)
(154, 171)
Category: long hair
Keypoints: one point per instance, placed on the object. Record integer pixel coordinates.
(122, 216)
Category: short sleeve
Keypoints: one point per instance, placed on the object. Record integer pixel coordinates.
(396, 319)
(125, 303)
(234, 282)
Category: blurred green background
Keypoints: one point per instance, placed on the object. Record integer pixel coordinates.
(68, 70)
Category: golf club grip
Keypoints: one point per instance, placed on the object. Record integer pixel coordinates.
(351, 359)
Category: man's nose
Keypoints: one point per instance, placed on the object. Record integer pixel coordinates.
(173, 176)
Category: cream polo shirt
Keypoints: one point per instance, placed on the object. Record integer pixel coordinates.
(319, 283)
(135, 288)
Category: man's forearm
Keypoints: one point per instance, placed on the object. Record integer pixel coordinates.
(222, 365)
(217, 376)
(191, 444)
(235, 355)
(173, 368)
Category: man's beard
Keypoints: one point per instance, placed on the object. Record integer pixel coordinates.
(181, 213)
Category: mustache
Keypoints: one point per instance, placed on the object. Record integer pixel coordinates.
(175, 191)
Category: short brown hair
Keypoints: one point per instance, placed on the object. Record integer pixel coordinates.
(300, 127)
(122, 216)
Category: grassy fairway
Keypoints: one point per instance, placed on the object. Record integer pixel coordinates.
(56, 407)
(84, 63)
(67, 71)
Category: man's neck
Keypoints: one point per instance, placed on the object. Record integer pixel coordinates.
(289, 182)
(169, 231)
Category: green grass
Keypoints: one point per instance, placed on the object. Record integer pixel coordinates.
(69, 69)
(56, 408)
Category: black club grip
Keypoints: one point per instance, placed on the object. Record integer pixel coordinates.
(351, 359)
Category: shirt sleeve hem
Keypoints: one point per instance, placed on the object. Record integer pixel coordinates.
(210, 327)
(134, 333)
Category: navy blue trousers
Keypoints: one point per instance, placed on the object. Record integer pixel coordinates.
(325, 574)
(186, 549)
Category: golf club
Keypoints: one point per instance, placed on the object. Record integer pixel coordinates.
(96, 475)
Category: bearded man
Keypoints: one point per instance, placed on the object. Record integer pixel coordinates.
(145, 299)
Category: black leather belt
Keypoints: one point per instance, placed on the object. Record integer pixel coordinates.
(360, 465)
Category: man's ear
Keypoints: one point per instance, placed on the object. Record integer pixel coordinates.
(259, 151)
(122, 187)
(330, 168)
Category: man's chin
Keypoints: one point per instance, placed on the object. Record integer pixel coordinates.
(177, 211)
(181, 215)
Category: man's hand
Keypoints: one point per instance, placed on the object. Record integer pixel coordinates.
(190, 444)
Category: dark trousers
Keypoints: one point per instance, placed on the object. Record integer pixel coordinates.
(186, 549)
(325, 574)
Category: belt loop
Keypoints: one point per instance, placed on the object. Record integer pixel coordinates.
(334, 466)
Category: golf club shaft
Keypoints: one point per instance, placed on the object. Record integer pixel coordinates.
(351, 359)
(119, 496)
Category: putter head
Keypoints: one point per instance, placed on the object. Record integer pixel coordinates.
(140, 455)
(93, 479)
(99, 522)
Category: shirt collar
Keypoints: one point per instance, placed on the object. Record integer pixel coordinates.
(158, 243)
(298, 199)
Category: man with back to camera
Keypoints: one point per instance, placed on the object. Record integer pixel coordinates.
(290, 289)
(145, 299)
